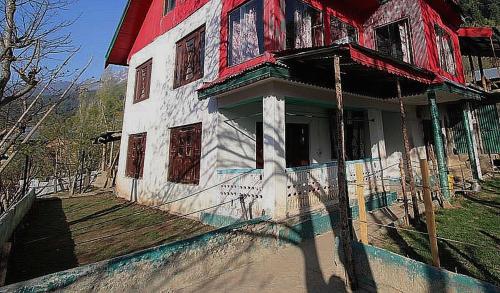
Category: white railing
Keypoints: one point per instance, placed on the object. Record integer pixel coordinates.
(316, 186)
(311, 187)
(243, 188)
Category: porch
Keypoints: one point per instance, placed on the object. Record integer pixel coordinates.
(281, 122)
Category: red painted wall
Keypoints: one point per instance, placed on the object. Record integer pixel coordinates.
(431, 17)
(157, 24)
(421, 15)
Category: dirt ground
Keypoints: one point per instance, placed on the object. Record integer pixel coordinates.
(61, 233)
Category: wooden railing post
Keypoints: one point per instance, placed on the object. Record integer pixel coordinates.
(403, 190)
(360, 193)
(429, 213)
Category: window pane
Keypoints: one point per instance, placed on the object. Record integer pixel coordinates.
(304, 25)
(246, 32)
(342, 32)
(445, 50)
(394, 40)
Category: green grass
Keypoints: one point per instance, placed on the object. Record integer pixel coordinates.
(474, 222)
(59, 234)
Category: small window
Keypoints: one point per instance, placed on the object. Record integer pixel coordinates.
(445, 50)
(341, 32)
(169, 6)
(394, 40)
(135, 155)
(185, 154)
(304, 25)
(190, 58)
(246, 32)
(143, 81)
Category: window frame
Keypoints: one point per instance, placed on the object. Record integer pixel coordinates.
(321, 17)
(346, 25)
(260, 31)
(194, 160)
(199, 38)
(442, 58)
(410, 39)
(139, 171)
(148, 66)
(168, 6)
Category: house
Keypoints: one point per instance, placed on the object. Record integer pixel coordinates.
(230, 107)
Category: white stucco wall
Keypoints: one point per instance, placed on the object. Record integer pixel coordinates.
(168, 108)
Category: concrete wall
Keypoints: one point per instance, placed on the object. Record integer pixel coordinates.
(206, 257)
(14, 215)
(166, 108)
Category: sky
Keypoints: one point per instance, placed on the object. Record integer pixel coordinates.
(96, 22)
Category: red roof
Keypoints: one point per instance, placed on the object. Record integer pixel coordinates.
(127, 31)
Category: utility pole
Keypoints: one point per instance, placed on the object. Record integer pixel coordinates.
(407, 154)
(345, 226)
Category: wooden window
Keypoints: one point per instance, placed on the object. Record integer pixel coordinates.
(341, 32)
(185, 154)
(304, 25)
(143, 81)
(168, 6)
(445, 50)
(190, 58)
(246, 32)
(394, 40)
(135, 155)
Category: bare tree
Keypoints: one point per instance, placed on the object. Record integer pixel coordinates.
(32, 32)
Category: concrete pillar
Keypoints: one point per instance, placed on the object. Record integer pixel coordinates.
(439, 145)
(274, 179)
(472, 149)
(376, 134)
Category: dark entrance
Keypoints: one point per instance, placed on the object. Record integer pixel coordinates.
(297, 145)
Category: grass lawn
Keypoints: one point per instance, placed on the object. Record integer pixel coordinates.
(63, 233)
(473, 220)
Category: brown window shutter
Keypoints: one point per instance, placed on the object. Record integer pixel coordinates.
(197, 39)
(135, 155)
(143, 81)
(185, 154)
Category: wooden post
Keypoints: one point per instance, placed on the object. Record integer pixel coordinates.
(472, 69)
(429, 213)
(360, 194)
(345, 226)
(4, 260)
(81, 170)
(403, 190)
(481, 70)
(407, 154)
(25, 174)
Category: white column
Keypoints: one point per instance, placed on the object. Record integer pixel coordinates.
(376, 133)
(274, 179)
(475, 145)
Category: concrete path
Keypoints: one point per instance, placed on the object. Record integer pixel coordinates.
(308, 267)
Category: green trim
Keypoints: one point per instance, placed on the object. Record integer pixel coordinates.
(241, 103)
(452, 87)
(240, 171)
(318, 223)
(438, 142)
(368, 257)
(469, 139)
(265, 71)
(117, 30)
(155, 256)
